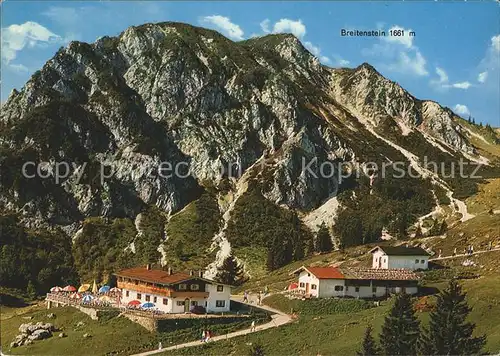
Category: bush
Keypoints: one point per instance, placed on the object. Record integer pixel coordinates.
(324, 306)
(198, 309)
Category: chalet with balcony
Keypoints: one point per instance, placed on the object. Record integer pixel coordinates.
(172, 292)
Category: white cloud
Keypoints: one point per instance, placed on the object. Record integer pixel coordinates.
(398, 53)
(410, 63)
(461, 85)
(19, 68)
(406, 40)
(495, 43)
(224, 24)
(443, 81)
(443, 77)
(461, 109)
(343, 62)
(286, 25)
(17, 37)
(264, 25)
(481, 78)
(316, 51)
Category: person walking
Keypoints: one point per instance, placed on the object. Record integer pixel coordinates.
(207, 334)
(455, 251)
(203, 335)
(245, 297)
(259, 298)
(252, 327)
(160, 346)
(266, 291)
(471, 250)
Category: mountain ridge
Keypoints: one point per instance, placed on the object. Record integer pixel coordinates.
(182, 94)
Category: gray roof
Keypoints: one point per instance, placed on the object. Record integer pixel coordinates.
(402, 251)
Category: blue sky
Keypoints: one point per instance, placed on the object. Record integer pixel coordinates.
(454, 57)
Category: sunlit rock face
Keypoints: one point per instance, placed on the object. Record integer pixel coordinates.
(126, 112)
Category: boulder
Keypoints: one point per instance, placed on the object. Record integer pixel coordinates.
(87, 335)
(61, 335)
(51, 316)
(40, 334)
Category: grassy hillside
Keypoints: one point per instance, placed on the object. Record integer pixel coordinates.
(190, 233)
(112, 335)
(327, 334)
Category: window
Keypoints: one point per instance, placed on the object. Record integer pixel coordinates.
(194, 303)
(357, 289)
(180, 303)
(416, 261)
(301, 284)
(422, 261)
(220, 303)
(338, 288)
(346, 288)
(139, 296)
(313, 286)
(308, 275)
(195, 286)
(220, 288)
(126, 293)
(374, 289)
(384, 260)
(206, 304)
(165, 301)
(154, 299)
(148, 298)
(182, 286)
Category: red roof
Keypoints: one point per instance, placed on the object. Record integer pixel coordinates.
(326, 272)
(154, 275)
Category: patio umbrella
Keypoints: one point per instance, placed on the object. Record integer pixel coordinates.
(94, 288)
(134, 303)
(87, 298)
(115, 290)
(105, 298)
(84, 288)
(69, 289)
(75, 296)
(56, 289)
(104, 289)
(148, 305)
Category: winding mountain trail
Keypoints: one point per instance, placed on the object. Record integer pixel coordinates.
(278, 319)
(464, 255)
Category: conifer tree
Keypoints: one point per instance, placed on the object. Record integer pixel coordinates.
(31, 290)
(230, 272)
(401, 330)
(369, 346)
(323, 239)
(448, 332)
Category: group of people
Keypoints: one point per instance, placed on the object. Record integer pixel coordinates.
(259, 296)
(205, 335)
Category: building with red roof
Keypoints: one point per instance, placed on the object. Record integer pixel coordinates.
(325, 282)
(172, 292)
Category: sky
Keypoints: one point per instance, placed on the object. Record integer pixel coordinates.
(452, 58)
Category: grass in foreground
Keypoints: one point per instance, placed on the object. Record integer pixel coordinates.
(338, 334)
(117, 335)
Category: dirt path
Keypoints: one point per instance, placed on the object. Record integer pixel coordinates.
(463, 255)
(278, 319)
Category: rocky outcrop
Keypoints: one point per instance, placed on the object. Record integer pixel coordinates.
(153, 115)
(31, 332)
